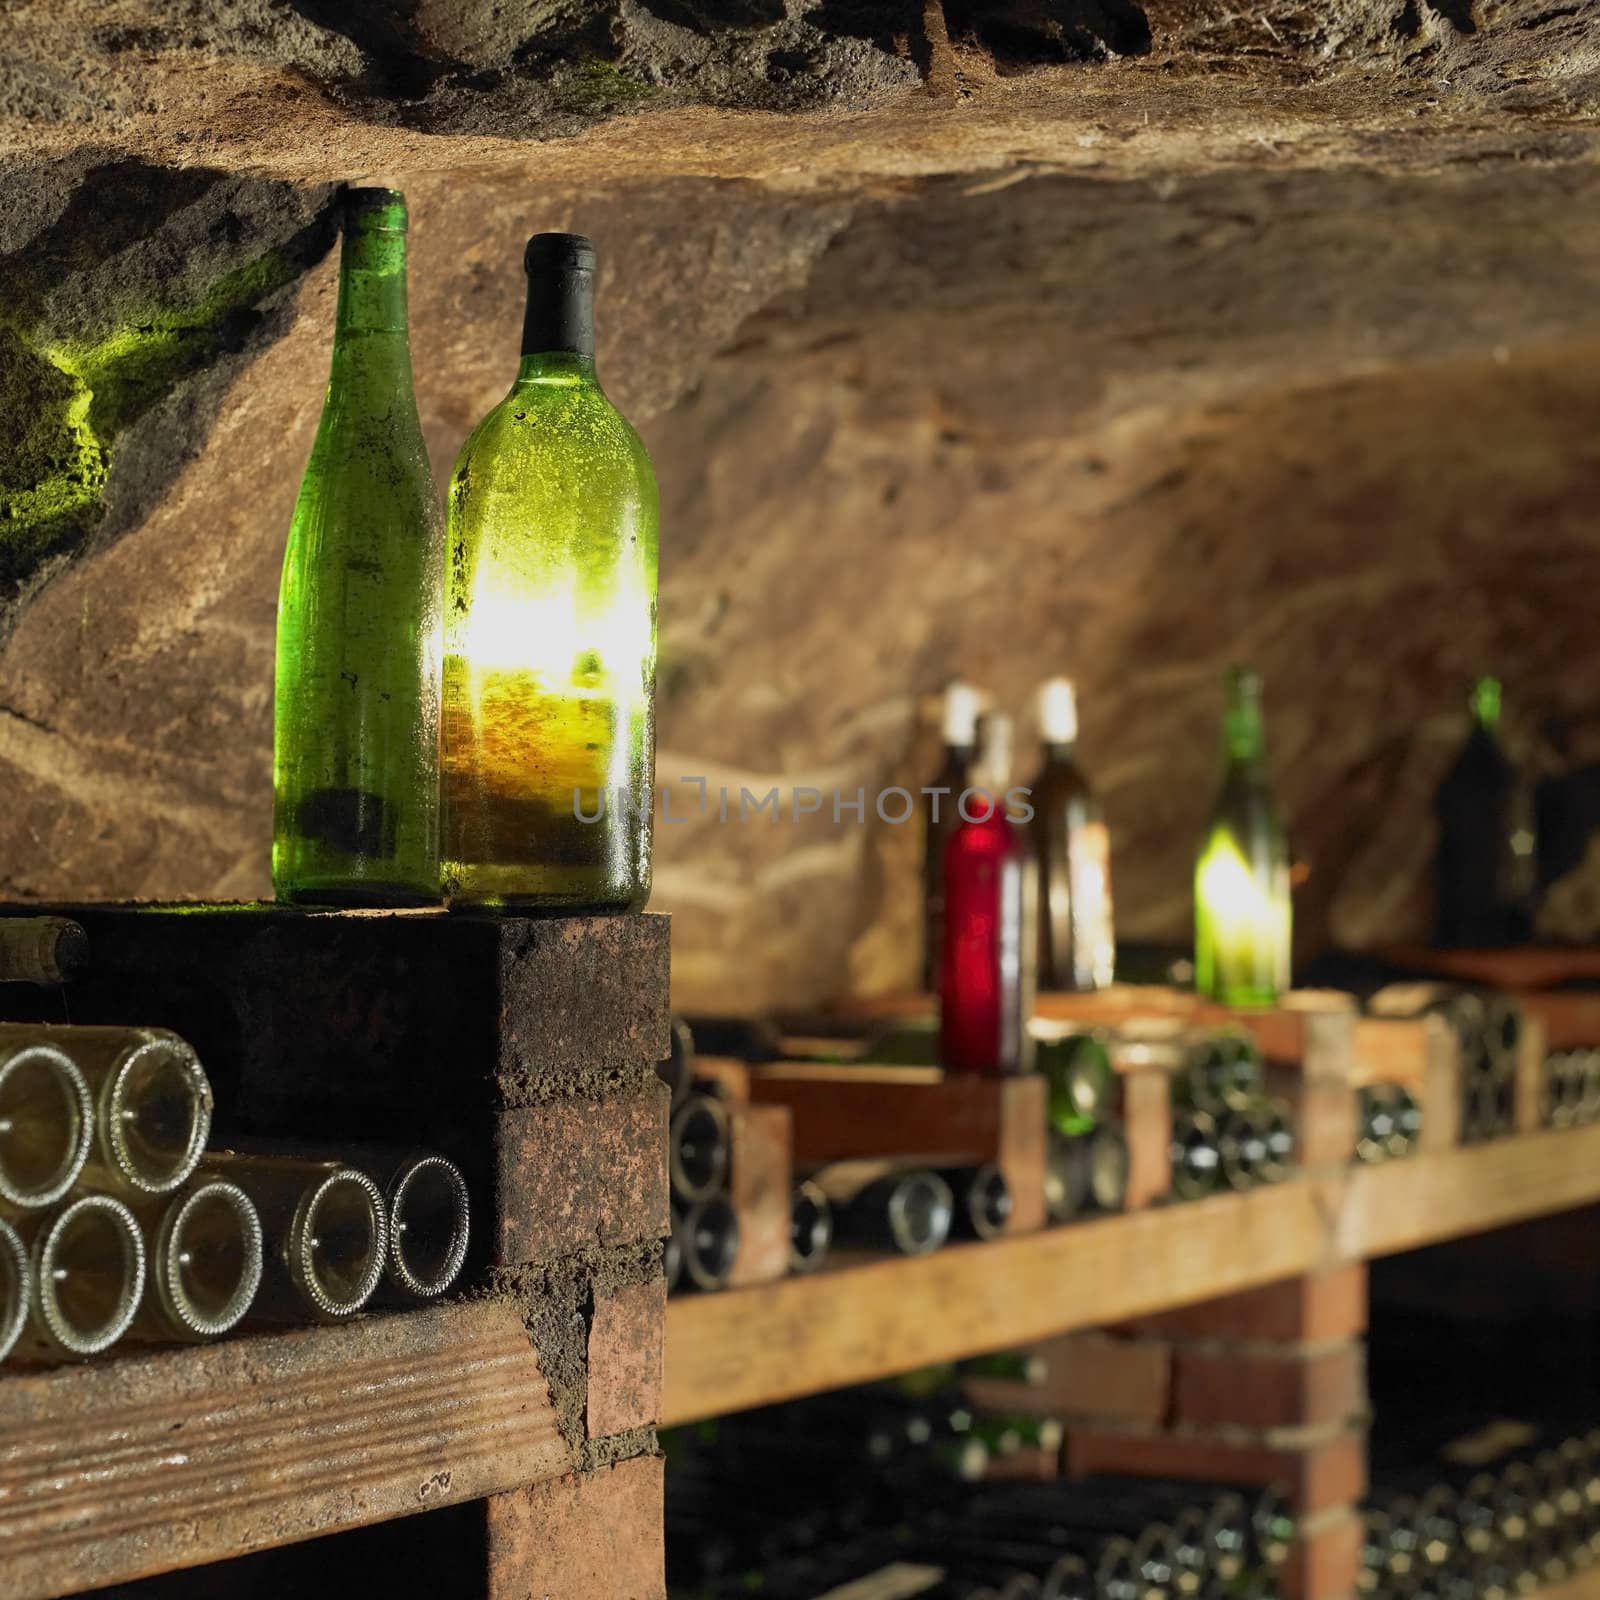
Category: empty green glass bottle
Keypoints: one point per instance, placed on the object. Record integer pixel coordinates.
(550, 626)
(1241, 880)
(356, 725)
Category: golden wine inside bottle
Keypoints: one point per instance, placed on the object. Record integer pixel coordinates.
(46, 1120)
(548, 713)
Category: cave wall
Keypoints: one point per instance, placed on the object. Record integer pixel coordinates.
(994, 340)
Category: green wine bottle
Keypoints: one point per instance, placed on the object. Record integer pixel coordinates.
(1241, 880)
(356, 723)
(550, 626)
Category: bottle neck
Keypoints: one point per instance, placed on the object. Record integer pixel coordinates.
(1244, 740)
(559, 320)
(1060, 752)
(372, 283)
(1485, 703)
(556, 366)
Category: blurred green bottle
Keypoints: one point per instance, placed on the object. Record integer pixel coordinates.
(356, 718)
(1241, 879)
(550, 626)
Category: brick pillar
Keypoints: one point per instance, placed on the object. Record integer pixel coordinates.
(1266, 1387)
(523, 1048)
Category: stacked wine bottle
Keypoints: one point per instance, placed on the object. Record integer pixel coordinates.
(800, 1500)
(1087, 1163)
(703, 1246)
(1488, 1033)
(908, 1207)
(1571, 1088)
(1227, 1132)
(1447, 1529)
(1388, 1122)
(118, 1224)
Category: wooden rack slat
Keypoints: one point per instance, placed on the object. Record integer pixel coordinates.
(140, 1464)
(857, 1321)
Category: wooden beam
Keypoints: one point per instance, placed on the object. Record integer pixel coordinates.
(1526, 967)
(1570, 1017)
(147, 1463)
(1402, 1205)
(860, 1321)
(856, 1322)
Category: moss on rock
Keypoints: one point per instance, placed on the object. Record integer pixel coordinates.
(84, 360)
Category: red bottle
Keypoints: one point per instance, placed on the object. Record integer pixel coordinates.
(987, 973)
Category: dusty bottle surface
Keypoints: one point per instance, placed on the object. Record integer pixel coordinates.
(1484, 877)
(550, 626)
(940, 819)
(1077, 948)
(356, 714)
(1241, 880)
(986, 986)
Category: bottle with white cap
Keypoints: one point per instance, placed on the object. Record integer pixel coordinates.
(1077, 947)
(939, 818)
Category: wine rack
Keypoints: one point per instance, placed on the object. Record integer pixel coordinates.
(525, 1050)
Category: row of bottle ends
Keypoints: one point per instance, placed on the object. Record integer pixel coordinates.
(117, 1223)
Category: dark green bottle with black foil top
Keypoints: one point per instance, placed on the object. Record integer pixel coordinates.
(356, 714)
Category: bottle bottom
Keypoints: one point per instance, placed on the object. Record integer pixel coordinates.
(521, 905)
(524, 889)
(1245, 998)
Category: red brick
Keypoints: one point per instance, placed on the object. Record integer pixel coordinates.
(1326, 1471)
(1028, 1465)
(595, 1536)
(624, 1367)
(1316, 1306)
(760, 1185)
(1324, 1560)
(1091, 1375)
(1256, 1390)
(1096, 1375)
(580, 1172)
(1147, 1121)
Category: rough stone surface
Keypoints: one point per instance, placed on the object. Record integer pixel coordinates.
(997, 340)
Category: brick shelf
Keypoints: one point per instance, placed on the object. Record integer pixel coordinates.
(524, 1048)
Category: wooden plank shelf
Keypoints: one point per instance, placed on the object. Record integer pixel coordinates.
(140, 1464)
(866, 1319)
(1583, 1585)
